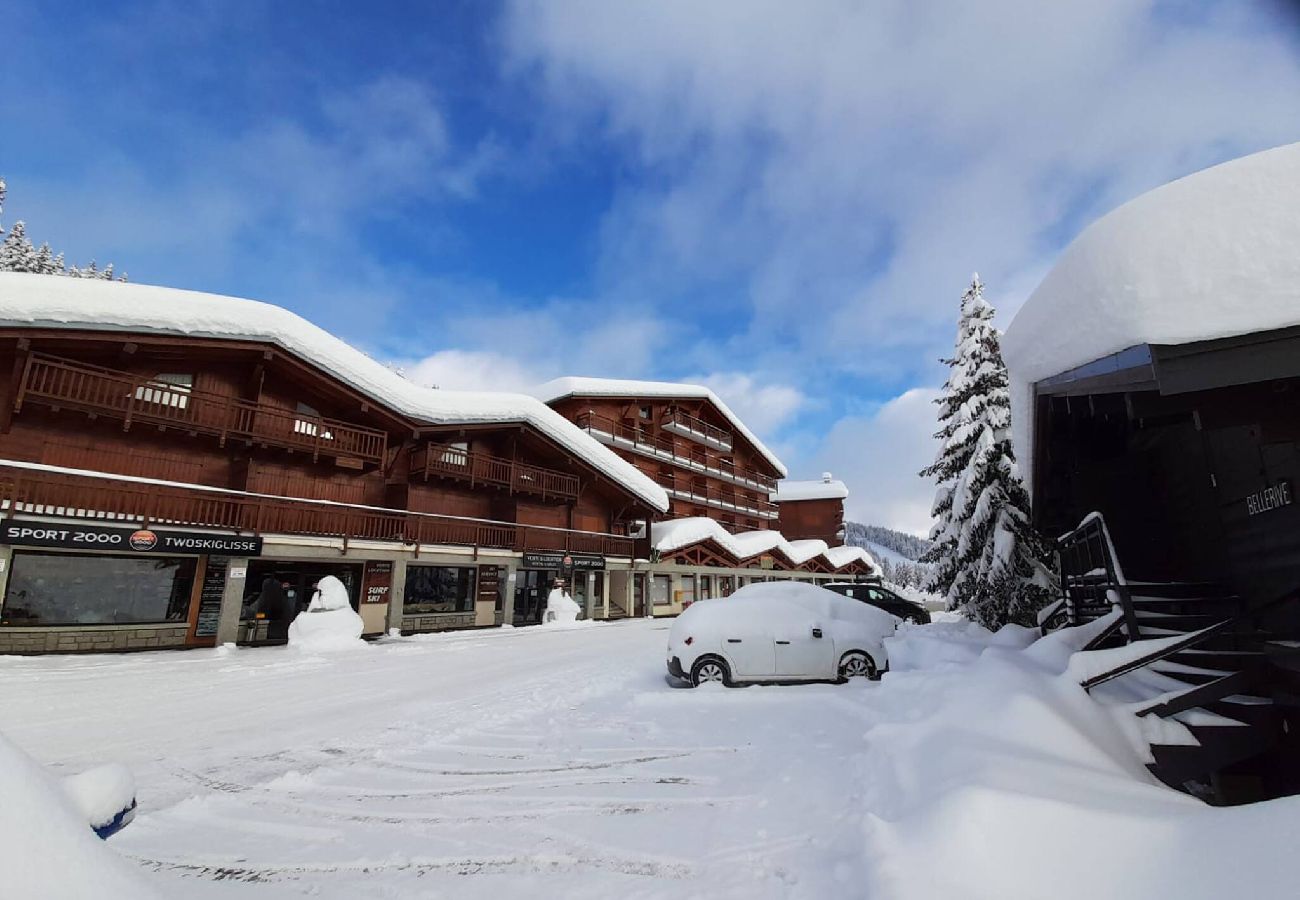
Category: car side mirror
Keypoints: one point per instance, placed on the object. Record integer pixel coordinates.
(816, 632)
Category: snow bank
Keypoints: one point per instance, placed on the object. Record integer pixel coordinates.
(1022, 786)
(102, 793)
(116, 306)
(561, 609)
(47, 849)
(570, 386)
(1207, 256)
(329, 623)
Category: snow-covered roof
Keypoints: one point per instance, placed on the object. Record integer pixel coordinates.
(572, 385)
(1208, 256)
(675, 534)
(826, 488)
(52, 302)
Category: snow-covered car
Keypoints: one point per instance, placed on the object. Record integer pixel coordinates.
(882, 597)
(50, 829)
(779, 631)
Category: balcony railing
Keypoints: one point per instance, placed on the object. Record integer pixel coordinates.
(619, 434)
(61, 383)
(716, 496)
(449, 461)
(108, 498)
(680, 422)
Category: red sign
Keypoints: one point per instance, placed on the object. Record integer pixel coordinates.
(377, 582)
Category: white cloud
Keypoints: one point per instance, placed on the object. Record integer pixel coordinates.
(470, 370)
(763, 407)
(878, 456)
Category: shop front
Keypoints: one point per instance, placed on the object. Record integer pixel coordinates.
(276, 590)
(91, 587)
(538, 573)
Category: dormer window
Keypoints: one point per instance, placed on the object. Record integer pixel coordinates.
(169, 389)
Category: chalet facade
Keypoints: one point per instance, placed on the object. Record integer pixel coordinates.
(1155, 379)
(812, 509)
(167, 458)
(721, 530)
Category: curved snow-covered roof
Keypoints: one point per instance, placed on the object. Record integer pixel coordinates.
(573, 385)
(52, 302)
(1211, 255)
(675, 534)
(823, 489)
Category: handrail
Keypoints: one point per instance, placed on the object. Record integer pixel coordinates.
(483, 468)
(107, 498)
(693, 426)
(57, 382)
(658, 447)
(1084, 554)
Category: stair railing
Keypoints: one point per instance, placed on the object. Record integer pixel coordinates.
(1092, 580)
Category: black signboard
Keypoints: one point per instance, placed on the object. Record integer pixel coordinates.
(558, 559)
(214, 588)
(21, 532)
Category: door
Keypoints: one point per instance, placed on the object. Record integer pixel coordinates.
(750, 651)
(800, 653)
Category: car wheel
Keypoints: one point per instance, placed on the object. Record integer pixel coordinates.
(857, 664)
(708, 669)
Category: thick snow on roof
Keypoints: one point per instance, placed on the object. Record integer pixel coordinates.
(51, 302)
(573, 385)
(675, 534)
(823, 489)
(1208, 256)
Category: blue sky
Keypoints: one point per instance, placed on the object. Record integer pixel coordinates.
(781, 200)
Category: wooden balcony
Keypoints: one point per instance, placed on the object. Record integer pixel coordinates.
(109, 498)
(680, 422)
(715, 495)
(64, 384)
(619, 434)
(449, 461)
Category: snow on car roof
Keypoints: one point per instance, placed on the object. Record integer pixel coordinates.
(1208, 256)
(574, 385)
(91, 304)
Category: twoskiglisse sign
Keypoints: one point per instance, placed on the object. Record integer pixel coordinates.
(20, 532)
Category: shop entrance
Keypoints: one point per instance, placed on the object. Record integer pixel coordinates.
(280, 589)
(531, 588)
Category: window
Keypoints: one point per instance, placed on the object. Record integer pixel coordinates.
(303, 425)
(66, 589)
(438, 589)
(169, 389)
(661, 590)
(456, 454)
(645, 413)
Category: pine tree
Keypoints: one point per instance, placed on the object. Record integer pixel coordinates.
(16, 252)
(988, 560)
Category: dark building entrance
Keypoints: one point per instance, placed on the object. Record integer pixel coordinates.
(531, 588)
(297, 581)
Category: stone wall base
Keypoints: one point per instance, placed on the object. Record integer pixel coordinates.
(92, 639)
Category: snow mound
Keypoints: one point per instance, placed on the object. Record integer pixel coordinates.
(47, 849)
(102, 793)
(561, 609)
(330, 622)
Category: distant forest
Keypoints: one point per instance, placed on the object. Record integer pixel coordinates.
(905, 545)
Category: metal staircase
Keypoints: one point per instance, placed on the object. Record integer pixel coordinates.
(1199, 653)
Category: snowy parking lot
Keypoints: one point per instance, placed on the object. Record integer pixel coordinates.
(546, 762)
(530, 761)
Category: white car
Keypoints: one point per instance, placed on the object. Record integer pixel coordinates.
(779, 631)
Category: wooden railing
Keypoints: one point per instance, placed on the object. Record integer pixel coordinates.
(713, 494)
(647, 443)
(449, 461)
(61, 383)
(35, 492)
(687, 425)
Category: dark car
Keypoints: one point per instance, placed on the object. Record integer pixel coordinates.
(883, 598)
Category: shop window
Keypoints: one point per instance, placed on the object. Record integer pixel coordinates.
(438, 589)
(304, 424)
(68, 589)
(661, 590)
(169, 389)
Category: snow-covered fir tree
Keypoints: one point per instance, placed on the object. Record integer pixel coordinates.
(988, 560)
(18, 254)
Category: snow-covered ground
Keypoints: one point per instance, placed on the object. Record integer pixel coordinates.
(559, 763)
